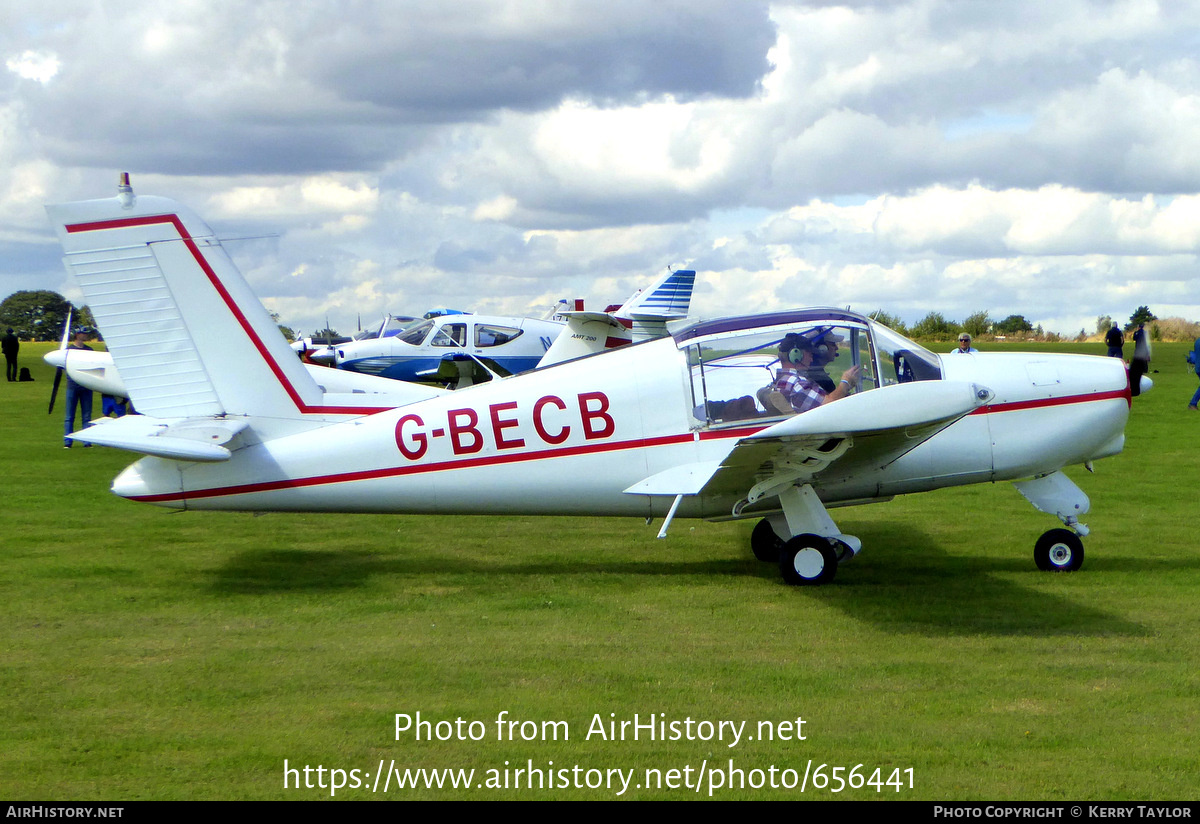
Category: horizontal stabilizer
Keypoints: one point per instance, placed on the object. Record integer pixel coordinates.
(179, 439)
(586, 334)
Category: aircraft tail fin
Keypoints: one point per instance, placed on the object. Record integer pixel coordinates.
(669, 298)
(186, 332)
(643, 317)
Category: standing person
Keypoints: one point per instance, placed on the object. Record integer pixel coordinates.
(1141, 359)
(964, 346)
(10, 345)
(1115, 341)
(77, 393)
(1196, 362)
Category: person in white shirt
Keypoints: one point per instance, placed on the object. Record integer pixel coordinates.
(964, 345)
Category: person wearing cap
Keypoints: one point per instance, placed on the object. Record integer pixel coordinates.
(825, 352)
(797, 354)
(964, 345)
(10, 346)
(77, 394)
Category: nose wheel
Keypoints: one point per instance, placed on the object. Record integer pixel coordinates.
(1058, 550)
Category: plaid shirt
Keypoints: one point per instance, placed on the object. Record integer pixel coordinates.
(802, 393)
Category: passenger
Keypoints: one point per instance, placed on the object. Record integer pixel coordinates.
(802, 393)
(825, 352)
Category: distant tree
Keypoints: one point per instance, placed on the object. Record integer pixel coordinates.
(288, 332)
(37, 315)
(1103, 324)
(1141, 315)
(890, 321)
(977, 323)
(934, 325)
(323, 334)
(1013, 324)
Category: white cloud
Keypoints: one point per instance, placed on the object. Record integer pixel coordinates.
(33, 65)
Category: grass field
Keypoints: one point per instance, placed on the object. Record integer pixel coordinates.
(151, 655)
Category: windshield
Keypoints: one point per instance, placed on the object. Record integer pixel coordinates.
(417, 334)
(734, 373)
(902, 360)
(390, 326)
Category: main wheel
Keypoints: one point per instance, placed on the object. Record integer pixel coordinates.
(764, 543)
(807, 560)
(1058, 550)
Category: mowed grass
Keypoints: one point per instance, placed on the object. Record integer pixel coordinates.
(154, 655)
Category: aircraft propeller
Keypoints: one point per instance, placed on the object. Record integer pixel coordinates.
(58, 373)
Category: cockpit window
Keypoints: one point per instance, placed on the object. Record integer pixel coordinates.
(487, 334)
(417, 334)
(734, 373)
(902, 360)
(451, 334)
(391, 325)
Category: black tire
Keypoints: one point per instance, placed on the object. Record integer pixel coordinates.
(1058, 550)
(764, 543)
(807, 560)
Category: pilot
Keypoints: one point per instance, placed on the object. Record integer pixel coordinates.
(797, 354)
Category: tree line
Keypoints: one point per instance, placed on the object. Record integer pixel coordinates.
(935, 326)
(41, 314)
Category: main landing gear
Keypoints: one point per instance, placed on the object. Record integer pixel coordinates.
(808, 546)
(812, 555)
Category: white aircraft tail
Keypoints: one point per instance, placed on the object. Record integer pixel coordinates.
(188, 336)
(643, 317)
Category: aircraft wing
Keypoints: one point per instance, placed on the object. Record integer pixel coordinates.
(861, 433)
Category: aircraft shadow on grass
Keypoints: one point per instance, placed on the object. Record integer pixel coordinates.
(912, 587)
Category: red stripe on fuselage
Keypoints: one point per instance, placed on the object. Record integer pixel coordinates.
(586, 449)
(1041, 403)
(190, 243)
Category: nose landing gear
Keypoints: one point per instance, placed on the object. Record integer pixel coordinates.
(1058, 550)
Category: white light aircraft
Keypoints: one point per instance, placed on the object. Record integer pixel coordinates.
(679, 426)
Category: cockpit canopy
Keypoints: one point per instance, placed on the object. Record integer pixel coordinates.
(391, 325)
(735, 361)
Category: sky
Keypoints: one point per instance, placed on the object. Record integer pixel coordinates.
(359, 157)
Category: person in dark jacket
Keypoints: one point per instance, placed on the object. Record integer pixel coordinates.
(10, 346)
(1115, 341)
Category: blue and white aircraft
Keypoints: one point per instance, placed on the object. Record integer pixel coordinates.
(511, 345)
